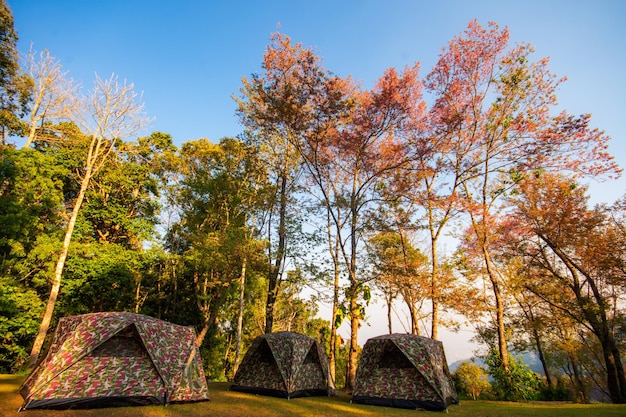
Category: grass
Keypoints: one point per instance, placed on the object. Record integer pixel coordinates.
(226, 403)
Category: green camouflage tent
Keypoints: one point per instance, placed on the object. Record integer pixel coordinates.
(284, 364)
(114, 359)
(405, 371)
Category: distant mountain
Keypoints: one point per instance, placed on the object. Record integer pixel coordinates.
(530, 359)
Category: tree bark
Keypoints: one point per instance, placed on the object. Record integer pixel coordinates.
(355, 311)
(242, 287)
(354, 333)
(276, 268)
(389, 315)
(332, 355)
(434, 333)
(414, 317)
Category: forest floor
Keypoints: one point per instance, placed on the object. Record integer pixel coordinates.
(226, 403)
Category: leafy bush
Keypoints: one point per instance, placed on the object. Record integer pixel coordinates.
(518, 383)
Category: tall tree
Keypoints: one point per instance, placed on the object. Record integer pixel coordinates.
(348, 141)
(498, 106)
(109, 113)
(218, 197)
(354, 144)
(270, 107)
(433, 183)
(15, 86)
(582, 253)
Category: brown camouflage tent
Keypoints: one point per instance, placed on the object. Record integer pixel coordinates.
(284, 364)
(404, 371)
(114, 359)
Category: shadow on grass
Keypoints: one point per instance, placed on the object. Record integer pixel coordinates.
(226, 403)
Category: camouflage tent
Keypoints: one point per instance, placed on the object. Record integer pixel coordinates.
(113, 359)
(405, 371)
(284, 364)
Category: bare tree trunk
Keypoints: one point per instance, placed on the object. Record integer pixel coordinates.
(354, 332)
(242, 288)
(355, 310)
(334, 324)
(276, 269)
(542, 356)
(203, 304)
(332, 356)
(415, 328)
(202, 334)
(229, 342)
(139, 300)
(389, 311)
(434, 333)
(497, 292)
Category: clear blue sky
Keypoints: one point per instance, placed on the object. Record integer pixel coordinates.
(188, 56)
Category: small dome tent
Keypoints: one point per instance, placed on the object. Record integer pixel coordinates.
(116, 359)
(404, 371)
(284, 364)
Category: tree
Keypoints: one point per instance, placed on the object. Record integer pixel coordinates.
(497, 105)
(20, 305)
(54, 95)
(433, 183)
(401, 267)
(515, 383)
(109, 264)
(15, 86)
(30, 201)
(355, 144)
(108, 114)
(348, 140)
(535, 318)
(220, 192)
(567, 242)
(470, 380)
(270, 108)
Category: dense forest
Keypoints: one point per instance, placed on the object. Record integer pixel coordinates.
(335, 189)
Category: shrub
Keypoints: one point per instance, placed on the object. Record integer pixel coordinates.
(519, 383)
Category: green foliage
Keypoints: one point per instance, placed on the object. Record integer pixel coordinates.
(107, 266)
(30, 199)
(15, 85)
(99, 277)
(518, 383)
(217, 367)
(20, 309)
(31, 196)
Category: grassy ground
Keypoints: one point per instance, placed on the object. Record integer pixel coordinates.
(226, 403)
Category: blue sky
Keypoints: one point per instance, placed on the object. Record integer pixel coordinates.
(188, 57)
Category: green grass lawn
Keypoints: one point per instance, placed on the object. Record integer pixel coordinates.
(226, 403)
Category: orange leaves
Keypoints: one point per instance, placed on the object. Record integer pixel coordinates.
(493, 108)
